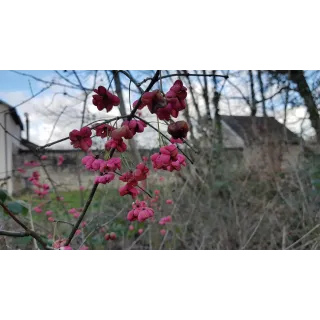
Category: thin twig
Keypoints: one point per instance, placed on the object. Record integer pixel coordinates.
(14, 234)
(62, 221)
(310, 231)
(31, 232)
(185, 74)
(66, 138)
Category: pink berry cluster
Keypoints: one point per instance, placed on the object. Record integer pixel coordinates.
(75, 212)
(165, 220)
(60, 245)
(140, 212)
(42, 189)
(165, 105)
(110, 236)
(32, 163)
(168, 159)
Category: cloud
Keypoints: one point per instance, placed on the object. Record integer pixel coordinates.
(54, 114)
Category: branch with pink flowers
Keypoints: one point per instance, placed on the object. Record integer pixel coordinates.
(170, 157)
(106, 100)
(164, 106)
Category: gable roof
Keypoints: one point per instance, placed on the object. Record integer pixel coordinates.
(13, 114)
(248, 128)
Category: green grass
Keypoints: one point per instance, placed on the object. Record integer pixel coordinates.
(105, 198)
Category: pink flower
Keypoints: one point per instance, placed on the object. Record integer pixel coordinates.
(119, 145)
(128, 189)
(165, 220)
(176, 165)
(176, 140)
(104, 99)
(35, 176)
(141, 106)
(164, 113)
(168, 159)
(176, 98)
(21, 170)
(78, 232)
(44, 157)
(134, 125)
(45, 186)
(104, 130)
(163, 232)
(51, 219)
(60, 160)
(87, 161)
(59, 243)
(72, 210)
(107, 236)
(140, 212)
(31, 163)
(113, 236)
(145, 159)
(140, 231)
(178, 130)
(37, 209)
(128, 177)
(156, 192)
(131, 227)
(81, 188)
(76, 215)
(111, 165)
(81, 139)
(161, 178)
(83, 224)
(123, 132)
(141, 172)
(66, 248)
(49, 213)
(107, 178)
(96, 164)
(155, 199)
(169, 201)
(154, 100)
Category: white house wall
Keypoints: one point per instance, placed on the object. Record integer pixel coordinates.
(7, 149)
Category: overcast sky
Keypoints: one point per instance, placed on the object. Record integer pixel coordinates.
(45, 108)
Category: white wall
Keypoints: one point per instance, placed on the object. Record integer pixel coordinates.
(7, 149)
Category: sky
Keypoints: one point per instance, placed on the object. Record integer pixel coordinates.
(9, 81)
(45, 108)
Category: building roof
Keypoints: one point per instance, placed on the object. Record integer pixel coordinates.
(248, 128)
(14, 114)
(28, 144)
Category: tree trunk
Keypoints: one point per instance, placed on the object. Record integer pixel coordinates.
(217, 118)
(298, 77)
(132, 143)
(253, 96)
(264, 111)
